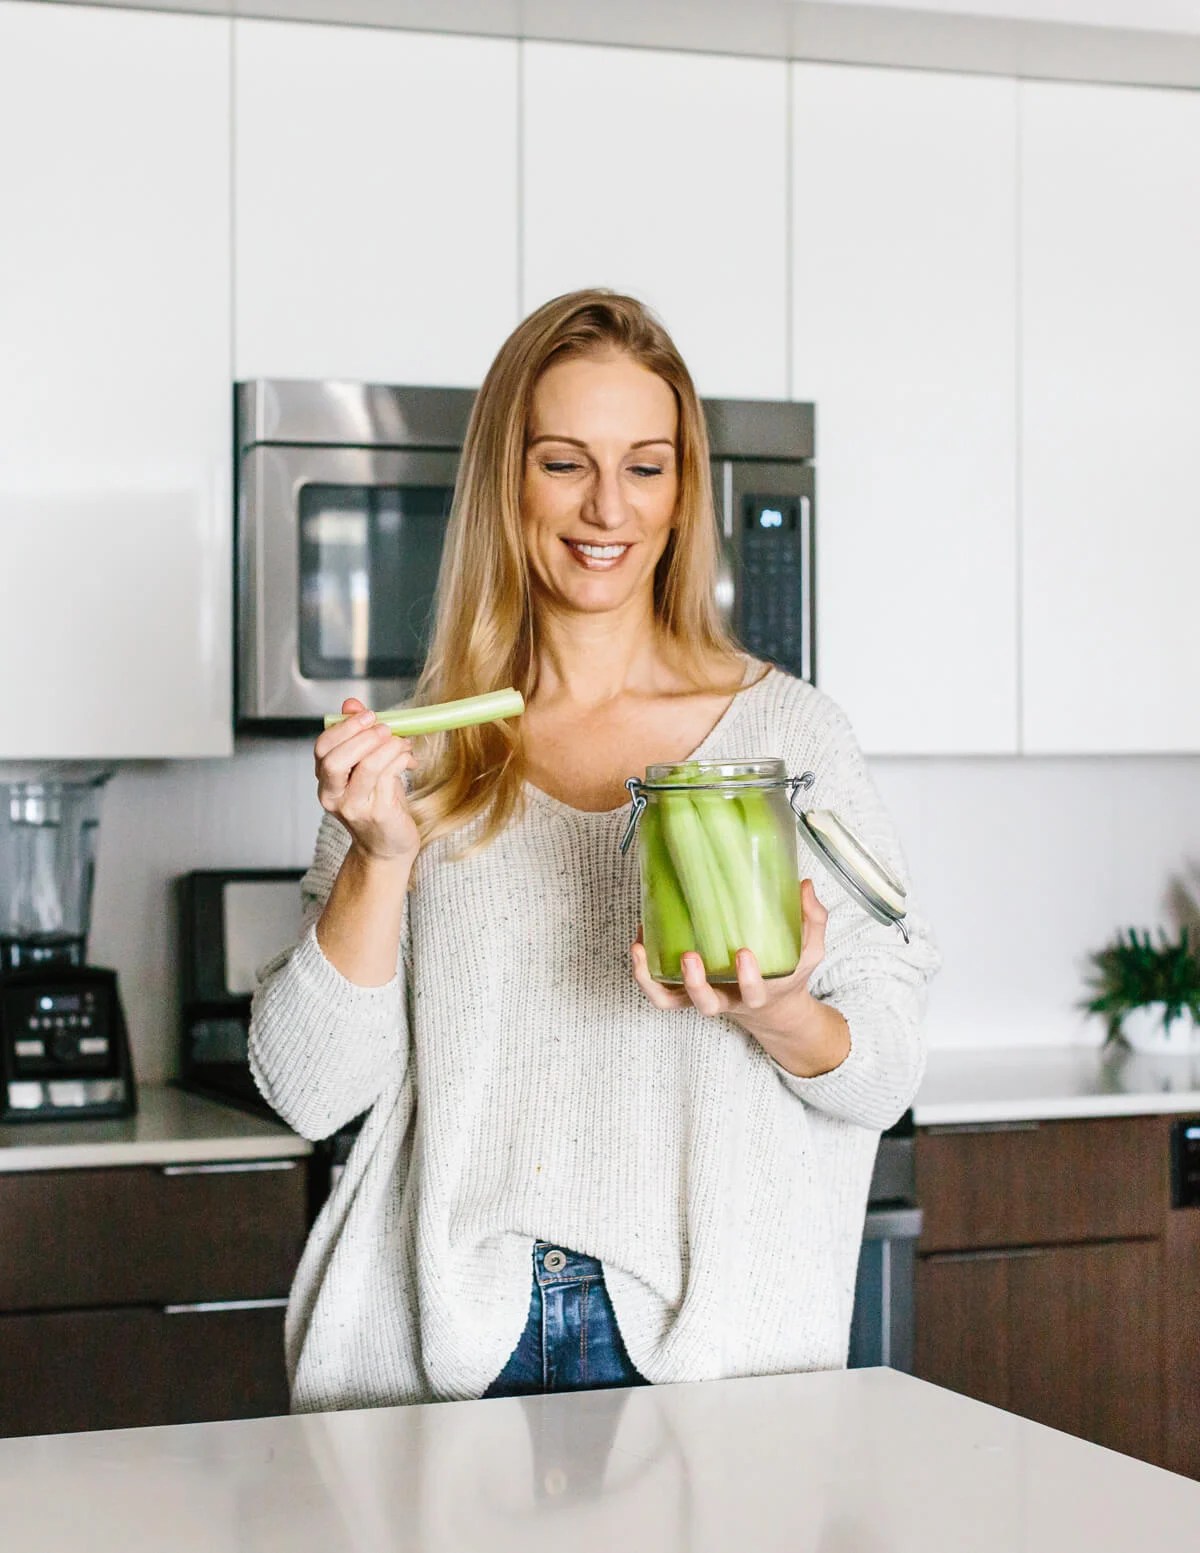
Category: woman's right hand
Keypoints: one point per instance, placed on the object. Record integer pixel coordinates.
(360, 768)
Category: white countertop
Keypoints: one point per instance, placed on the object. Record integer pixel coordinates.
(1046, 1083)
(171, 1126)
(857, 1461)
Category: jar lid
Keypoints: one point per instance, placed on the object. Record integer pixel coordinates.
(857, 868)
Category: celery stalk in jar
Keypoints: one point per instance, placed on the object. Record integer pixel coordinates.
(666, 923)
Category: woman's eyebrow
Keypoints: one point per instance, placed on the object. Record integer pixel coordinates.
(646, 442)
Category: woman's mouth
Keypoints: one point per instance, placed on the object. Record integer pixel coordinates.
(596, 558)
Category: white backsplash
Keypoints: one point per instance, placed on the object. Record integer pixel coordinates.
(1022, 866)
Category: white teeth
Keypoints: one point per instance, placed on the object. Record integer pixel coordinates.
(599, 552)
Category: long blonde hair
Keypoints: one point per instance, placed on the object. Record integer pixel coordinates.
(483, 634)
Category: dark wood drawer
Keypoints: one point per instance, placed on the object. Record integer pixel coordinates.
(150, 1235)
(120, 1369)
(1043, 1183)
(1066, 1335)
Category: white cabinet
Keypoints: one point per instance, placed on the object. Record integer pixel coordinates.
(1110, 436)
(904, 336)
(664, 175)
(376, 203)
(115, 439)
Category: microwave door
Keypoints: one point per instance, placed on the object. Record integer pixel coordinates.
(766, 516)
(338, 556)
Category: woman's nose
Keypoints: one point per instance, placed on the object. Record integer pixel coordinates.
(605, 506)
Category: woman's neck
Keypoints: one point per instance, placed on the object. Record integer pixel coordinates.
(590, 659)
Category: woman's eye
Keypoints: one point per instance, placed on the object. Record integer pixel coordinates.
(558, 466)
(644, 471)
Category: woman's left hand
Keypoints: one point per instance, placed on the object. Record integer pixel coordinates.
(802, 1034)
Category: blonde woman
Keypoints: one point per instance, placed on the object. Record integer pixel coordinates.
(570, 1176)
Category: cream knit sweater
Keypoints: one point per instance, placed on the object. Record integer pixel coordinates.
(519, 1086)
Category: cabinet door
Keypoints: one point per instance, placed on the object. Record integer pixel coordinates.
(1110, 330)
(1042, 1183)
(150, 1234)
(124, 1369)
(904, 336)
(115, 425)
(1067, 1336)
(376, 197)
(664, 175)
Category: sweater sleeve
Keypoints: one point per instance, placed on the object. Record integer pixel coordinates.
(322, 1049)
(874, 979)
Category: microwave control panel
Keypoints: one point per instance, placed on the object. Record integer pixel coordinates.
(1185, 1163)
(774, 551)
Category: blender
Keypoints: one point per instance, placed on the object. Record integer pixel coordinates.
(64, 1047)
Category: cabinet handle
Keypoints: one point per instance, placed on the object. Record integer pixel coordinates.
(210, 1307)
(949, 1128)
(998, 1255)
(230, 1167)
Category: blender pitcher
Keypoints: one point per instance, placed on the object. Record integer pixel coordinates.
(47, 868)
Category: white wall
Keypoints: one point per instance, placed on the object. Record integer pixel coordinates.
(1022, 866)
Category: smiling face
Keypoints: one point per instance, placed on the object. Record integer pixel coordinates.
(600, 483)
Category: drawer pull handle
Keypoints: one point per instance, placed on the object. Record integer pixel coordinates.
(1001, 1254)
(962, 1129)
(230, 1167)
(210, 1307)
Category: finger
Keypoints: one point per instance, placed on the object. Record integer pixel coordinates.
(750, 982)
(369, 773)
(705, 998)
(659, 995)
(814, 916)
(335, 769)
(342, 733)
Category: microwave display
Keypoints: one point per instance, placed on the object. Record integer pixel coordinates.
(369, 558)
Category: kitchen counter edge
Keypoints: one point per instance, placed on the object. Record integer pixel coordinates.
(1035, 1084)
(171, 1127)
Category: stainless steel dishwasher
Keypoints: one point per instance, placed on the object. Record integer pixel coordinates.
(881, 1330)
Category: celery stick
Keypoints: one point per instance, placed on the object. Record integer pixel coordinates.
(775, 845)
(724, 829)
(409, 721)
(666, 925)
(689, 853)
(753, 855)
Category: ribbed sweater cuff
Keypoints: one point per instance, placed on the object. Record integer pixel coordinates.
(326, 983)
(321, 1046)
(877, 1080)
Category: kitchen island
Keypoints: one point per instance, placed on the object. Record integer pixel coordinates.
(858, 1461)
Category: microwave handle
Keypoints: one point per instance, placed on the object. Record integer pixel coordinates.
(725, 589)
(806, 593)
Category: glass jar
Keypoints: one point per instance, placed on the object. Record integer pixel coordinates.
(719, 870)
(717, 859)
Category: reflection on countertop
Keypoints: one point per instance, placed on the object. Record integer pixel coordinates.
(856, 1461)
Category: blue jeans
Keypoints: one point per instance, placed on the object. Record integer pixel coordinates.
(571, 1341)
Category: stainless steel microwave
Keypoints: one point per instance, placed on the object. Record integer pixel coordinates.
(343, 494)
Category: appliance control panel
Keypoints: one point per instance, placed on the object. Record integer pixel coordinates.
(774, 545)
(59, 1027)
(1185, 1163)
(63, 1045)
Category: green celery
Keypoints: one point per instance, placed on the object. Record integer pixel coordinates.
(689, 852)
(409, 721)
(775, 850)
(667, 925)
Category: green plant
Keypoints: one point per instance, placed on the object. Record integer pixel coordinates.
(1133, 971)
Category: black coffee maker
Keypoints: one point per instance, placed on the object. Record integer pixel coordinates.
(64, 1047)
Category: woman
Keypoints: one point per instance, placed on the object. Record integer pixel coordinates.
(683, 1170)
